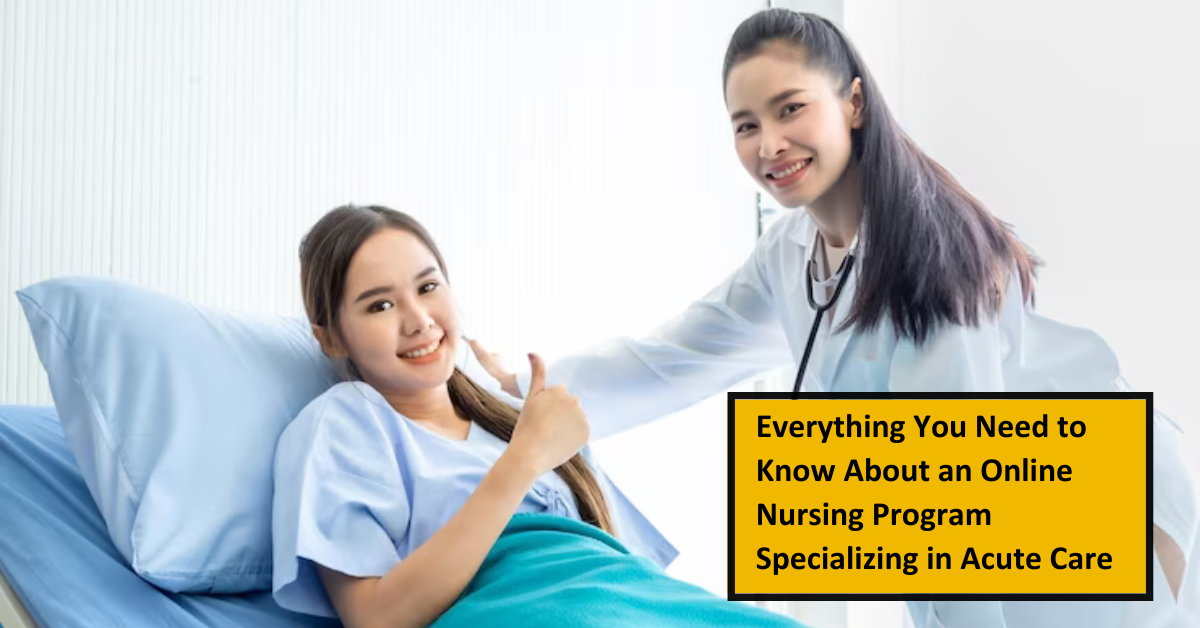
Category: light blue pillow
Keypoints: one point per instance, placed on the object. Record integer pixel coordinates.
(173, 411)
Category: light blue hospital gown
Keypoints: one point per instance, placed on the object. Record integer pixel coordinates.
(358, 487)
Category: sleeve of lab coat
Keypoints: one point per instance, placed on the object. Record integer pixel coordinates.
(728, 336)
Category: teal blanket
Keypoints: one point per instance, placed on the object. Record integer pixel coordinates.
(552, 571)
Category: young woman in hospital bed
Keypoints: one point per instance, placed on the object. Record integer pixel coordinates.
(408, 495)
(939, 301)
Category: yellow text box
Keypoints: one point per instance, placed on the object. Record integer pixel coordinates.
(1008, 498)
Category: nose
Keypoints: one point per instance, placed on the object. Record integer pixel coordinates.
(415, 319)
(772, 143)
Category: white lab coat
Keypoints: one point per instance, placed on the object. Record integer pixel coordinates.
(759, 319)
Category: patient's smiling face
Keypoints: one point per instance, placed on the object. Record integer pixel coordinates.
(398, 320)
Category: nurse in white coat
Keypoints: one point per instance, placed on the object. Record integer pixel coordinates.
(937, 298)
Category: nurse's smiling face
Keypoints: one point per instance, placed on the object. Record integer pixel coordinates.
(397, 321)
(791, 123)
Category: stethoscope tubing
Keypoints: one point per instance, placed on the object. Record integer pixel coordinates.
(843, 273)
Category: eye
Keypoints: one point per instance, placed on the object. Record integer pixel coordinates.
(791, 108)
(380, 306)
(427, 287)
(744, 128)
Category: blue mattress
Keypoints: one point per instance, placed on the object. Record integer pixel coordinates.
(56, 554)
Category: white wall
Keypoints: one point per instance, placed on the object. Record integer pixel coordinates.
(572, 159)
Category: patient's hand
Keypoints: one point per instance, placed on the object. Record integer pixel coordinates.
(491, 364)
(1171, 558)
(552, 427)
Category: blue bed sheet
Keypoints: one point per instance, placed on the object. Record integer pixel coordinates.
(57, 556)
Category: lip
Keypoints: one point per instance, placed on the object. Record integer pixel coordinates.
(791, 179)
(425, 359)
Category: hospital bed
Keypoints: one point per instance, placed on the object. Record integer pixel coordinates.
(58, 567)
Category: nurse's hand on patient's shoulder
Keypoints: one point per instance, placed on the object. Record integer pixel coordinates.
(491, 364)
(552, 427)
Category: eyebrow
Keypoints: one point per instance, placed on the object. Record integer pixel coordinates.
(775, 100)
(372, 292)
(385, 289)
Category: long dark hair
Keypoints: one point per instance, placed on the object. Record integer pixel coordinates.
(325, 254)
(930, 252)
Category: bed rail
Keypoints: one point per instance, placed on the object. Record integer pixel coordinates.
(12, 612)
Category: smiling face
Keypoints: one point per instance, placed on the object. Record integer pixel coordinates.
(397, 321)
(791, 124)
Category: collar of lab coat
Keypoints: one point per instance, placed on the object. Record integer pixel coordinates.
(804, 232)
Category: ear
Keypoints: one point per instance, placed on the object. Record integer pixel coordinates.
(329, 343)
(855, 103)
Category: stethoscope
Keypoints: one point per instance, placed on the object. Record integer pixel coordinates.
(843, 272)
